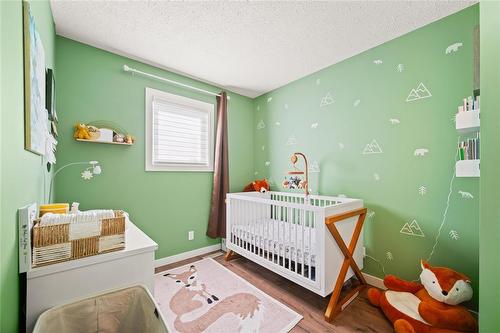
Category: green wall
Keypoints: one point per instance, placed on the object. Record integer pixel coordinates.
(23, 174)
(166, 205)
(388, 182)
(489, 320)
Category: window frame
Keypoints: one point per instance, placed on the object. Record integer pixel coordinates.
(150, 93)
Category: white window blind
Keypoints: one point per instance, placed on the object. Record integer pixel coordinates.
(180, 133)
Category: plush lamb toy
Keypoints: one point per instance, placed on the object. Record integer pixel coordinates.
(429, 307)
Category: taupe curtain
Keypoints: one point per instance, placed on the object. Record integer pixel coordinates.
(217, 219)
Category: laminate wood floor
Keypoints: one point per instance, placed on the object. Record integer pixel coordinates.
(359, 316)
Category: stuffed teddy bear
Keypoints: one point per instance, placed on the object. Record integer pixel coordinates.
(427, 307)
(81, 132)
(261, 186)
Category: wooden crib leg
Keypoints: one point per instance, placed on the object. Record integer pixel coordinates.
(230, 255)
(336, 305)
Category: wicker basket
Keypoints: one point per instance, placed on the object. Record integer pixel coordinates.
(63, 242)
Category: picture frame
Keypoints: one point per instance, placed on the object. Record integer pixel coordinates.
(35, 113)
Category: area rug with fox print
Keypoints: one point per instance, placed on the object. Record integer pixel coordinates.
(207, 297)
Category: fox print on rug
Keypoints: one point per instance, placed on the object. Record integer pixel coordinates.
(191, 295)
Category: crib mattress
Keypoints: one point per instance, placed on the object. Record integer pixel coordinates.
(284, 239)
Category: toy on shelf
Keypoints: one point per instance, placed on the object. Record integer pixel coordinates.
(261, 186)
(295, 181)
(429, 306)
(81, 132)
(120, 138)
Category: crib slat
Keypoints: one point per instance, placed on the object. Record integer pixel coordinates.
(234, 213)
(260, 222)
(255, 228)
(296, 245)
(290, 248)
(245, 229)
(240, 221)
(310, 249)
(268, 227)
(242, 224)
(303, 261)
(272, 236)
(258, 226)
(267, 216)
(236, 220)
(249, 226)
(252, 225)
(285, 241)
(269, 236)
(280, 230)
(276, 231)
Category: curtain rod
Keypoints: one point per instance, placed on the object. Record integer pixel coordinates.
(133, 70)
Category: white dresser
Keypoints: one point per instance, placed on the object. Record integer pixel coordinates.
(71, 280)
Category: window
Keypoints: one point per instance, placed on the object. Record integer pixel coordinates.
(179, 133)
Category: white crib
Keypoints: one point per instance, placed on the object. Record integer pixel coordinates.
(289, 236)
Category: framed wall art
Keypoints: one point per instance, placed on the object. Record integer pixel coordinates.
(35, 114)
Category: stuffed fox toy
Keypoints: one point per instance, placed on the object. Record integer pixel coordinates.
(427, 307)
(261, 186)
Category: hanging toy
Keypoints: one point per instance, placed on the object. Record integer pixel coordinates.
(295, 182)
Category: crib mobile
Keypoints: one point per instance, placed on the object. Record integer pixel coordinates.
(295, 181)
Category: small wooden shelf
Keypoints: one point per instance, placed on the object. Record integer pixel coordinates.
(467, 168)
(468, 121)
(109, 143)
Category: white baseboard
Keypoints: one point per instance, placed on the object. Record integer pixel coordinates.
(186, 255)
(374, 281)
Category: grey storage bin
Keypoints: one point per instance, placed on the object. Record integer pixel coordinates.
(129, 310)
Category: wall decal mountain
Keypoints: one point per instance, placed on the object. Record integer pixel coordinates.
(326, 100)
(372, 148)
(418, 93)
(412, 229)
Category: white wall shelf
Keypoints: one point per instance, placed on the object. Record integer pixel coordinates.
(467, 168)
(467, 122)
(106, 142)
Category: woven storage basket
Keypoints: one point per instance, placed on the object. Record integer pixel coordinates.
(63, 242)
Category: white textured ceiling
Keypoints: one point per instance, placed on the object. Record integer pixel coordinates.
(246, 47)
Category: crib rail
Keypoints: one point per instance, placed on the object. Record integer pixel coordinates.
(314, 200)
(281, 231)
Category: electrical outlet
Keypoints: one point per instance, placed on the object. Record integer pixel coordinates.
(191, 235)
(364, 251)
